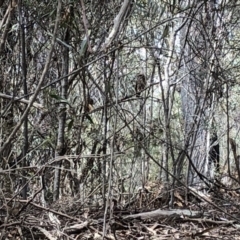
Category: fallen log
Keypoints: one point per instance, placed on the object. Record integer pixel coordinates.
(181, 213)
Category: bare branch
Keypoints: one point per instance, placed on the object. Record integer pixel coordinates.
(36, 105)
(8, 140)
(117, 23)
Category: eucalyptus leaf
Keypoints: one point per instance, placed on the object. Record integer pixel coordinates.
(55, 96)
(89, 118)
(70, 124)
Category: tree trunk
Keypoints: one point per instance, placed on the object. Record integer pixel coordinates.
(198, 91)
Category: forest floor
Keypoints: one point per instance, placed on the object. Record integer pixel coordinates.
(147, 215)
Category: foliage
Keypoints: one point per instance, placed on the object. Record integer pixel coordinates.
(129, 92)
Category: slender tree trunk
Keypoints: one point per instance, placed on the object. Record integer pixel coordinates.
(61, 145)
(25, 90)
(198, 98)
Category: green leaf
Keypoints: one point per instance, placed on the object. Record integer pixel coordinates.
(59, 99)
(84, 44)
(63, 109)
(55, 96)
(70, 125)
(89, 118)
(166, 31)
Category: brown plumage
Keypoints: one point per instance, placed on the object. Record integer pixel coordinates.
(140, 84)
(89, 104)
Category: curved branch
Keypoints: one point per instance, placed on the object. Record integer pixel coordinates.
(16, 99)
(117, 23)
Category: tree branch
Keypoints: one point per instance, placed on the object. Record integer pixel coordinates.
(44, 73)
(16, 99)
(117, 23)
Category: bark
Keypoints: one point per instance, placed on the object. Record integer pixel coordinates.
(198, 99)
(44, 73)
(61, 145)
(118, 20)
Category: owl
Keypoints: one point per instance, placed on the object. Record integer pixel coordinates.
(140, 84)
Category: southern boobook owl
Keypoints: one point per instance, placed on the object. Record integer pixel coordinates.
(140, 84)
